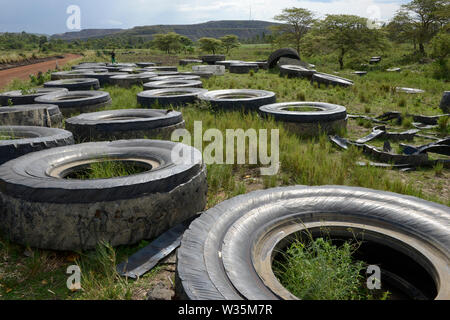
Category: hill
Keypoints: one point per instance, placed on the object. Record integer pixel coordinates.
(244, 29)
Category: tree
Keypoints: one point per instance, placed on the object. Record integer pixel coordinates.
(346, 34)
(168, 42)
(426, 17)
(210, 44)
(186, 44)
(230, 42)
(296, 23)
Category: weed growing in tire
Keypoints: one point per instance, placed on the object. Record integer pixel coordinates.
(320, 270)
(106, 170)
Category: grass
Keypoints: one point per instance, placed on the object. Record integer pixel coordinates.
(319, 270)
(313, 161)
(107, 169)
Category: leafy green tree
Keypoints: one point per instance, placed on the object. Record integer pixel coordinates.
(230, 41)
(296, 22)
(186, 44)
(168, 42)
(345, 34)
(210, 45)
(425, 17)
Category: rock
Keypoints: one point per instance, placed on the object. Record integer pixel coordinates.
(160, 292)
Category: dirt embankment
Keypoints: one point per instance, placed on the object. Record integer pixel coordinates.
(23, 72)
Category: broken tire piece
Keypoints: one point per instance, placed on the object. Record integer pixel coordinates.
(77, 101)
(17, 141)
(280, 53)
(121, 211)
(328, 79)
(292, 71)
(227, 253)
(39, 115)
(125, 124)
(166, 97)
(238, 99)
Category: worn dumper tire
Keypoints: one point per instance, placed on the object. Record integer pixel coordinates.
(125, 124)
(166, 97)
(227, 253)
(18, 98)
(238, 99)
(77, 101)
(326, 117)
(26, 139)
(285, 52)
(76, 84)
(174, 83)
(39, 115)
(42, 209)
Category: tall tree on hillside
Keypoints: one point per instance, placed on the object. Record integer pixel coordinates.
(426, 18)
(230, 42)
(345, 34)
(210, 45)
(296, 22)
(168, 42)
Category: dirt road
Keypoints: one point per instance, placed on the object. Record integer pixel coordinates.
(24, 72)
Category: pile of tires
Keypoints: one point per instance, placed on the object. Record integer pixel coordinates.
(293, 71)
(16, 141)
(77, 101)
(18, 97)
(75, 84)
(285, 52)
(125, 124)
(375, 60)
(243, 68)
(40, 115)
(212, 58)
(43, 207)
(328, 79)
(238, 99)
(169, 97)
(308, 118)
(227, 253)
(175, 83)
(129, 80)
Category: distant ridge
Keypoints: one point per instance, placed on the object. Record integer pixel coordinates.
(244, 29)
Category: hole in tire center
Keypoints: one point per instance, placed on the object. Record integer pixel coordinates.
(401, 273)
(301, 108)
(103, 169)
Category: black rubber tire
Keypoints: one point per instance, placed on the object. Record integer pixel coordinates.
(177, 83)
(125, 124)
(327, 112)
(120, 211)
(77, 101)
(76, 84)
(176, 77)
(328, 79)
(165, 97)
(62, 75)
(201, 74)
(17, 98)
(285, 52)
(253, 100)
(134, 70)
(34, 139)
(129, 80)
(163, 68)
(409, 90)
(445, 102)
(212, 58)
(185, 62)
(227, 253)
(145, 64)
(38, 115)
(243, 68)
(164, 73)
(228, 63)
(103, 77)
(292, 71)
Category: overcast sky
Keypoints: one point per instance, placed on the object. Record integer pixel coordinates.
(49, 16)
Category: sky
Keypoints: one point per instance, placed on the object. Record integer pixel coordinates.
(50, 16)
